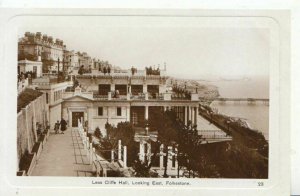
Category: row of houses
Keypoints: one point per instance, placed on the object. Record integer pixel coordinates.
(54, 54)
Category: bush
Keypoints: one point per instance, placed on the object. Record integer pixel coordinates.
(25, 161)
(98, 133)
(27, 96)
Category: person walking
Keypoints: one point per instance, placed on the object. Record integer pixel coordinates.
(56, 127)
(63, 125)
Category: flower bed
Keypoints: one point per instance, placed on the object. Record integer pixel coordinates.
(26, 161)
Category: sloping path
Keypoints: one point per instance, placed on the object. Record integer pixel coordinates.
(63, 155)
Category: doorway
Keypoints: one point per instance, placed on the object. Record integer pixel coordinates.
(75, 117)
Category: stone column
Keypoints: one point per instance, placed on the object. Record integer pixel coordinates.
(129, 89)
(109, 95)
(119, 150)
(108, 114)
(70, 118)
(170, 155)
(141, 156)
(128, 113)
(146, 112)
(185, 115)
(112, 156)
(196, 115)
(149, 151)
(125, 156)
(144, 88)
(161, 157)
(112, 87)
(190, 114)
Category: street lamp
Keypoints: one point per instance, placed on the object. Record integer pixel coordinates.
(228, 122)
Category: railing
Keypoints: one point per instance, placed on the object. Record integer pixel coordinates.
(94, 159)
(91, 153)
(213, 134)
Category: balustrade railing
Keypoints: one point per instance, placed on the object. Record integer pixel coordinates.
(95, 160)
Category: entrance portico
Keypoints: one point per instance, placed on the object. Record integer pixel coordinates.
(75, 113)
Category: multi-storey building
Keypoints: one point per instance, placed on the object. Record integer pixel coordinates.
(34, 44)
(122, 96)
(54, 95)
(71, 61)
(85, 60)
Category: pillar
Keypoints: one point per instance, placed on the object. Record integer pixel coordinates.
(112, 156)
(141, 156)
(144, 88)
(91, 153)
(93, 165)
(119, 150)
(149, 152)
(190, 114)
(169, 158)
(70, 118)
(112, 87)
(129, 89)
(108, 114)
(125, 157)
(128, 113)
(161, 156)
(109, 95)
(185, 115)
(196, 115)
(146, 112)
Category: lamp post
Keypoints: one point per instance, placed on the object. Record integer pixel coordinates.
(211, 113)
(228, 122)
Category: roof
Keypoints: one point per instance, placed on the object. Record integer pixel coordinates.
(29, 62)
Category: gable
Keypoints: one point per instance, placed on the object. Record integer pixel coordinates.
(77, 98)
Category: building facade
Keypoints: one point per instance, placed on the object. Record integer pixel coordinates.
(124, 97)
(54, 96)
(51, 51)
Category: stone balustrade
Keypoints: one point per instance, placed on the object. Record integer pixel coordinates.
(94, 159)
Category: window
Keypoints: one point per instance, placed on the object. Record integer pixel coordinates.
(100, 111)
(119, 111)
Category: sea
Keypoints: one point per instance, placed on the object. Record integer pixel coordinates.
(256, 115)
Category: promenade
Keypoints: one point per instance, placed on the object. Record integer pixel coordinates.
(63, 155)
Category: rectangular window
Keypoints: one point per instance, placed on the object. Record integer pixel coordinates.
(119, 111)
(100, 111)
(104, 89)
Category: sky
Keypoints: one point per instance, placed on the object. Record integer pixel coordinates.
(189, 48)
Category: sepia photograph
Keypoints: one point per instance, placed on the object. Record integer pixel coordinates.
(150, 97)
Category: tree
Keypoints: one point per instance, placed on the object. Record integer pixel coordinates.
(165, 124)
(98, 133)
(141, 169)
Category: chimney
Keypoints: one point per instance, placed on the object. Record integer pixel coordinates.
(57, 41)
(27, 34)
(38, 35)
(31, 37)
(50, 39)
(45, 37)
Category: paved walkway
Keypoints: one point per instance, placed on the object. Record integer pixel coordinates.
(63, 155)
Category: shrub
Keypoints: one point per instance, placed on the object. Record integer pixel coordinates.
(27, 96)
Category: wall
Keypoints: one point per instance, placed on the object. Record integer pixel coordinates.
(112, 118)
(36, 111)
(55, 114)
